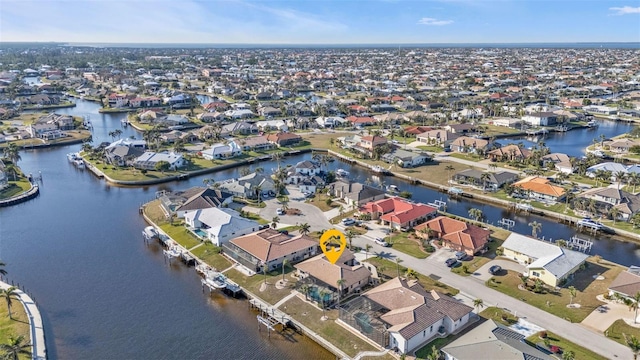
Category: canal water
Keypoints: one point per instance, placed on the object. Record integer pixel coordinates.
(105, 294)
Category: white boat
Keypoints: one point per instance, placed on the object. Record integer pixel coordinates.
(342, 172)
(590, 223)
(124, 122)
(218, 281)
(378, 169)
(524, 207)
(72, 157)
(79, 163)
(392, 188)
(173, 252)
(150, 233)
(592, 124)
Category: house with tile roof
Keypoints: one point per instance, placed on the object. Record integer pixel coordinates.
(401, 314)
(284, 139)
(269, 248)
(539, 188)
(399, 213)
(219, 225)
(607, 198)
(543, 260)
(509, 152)
(492, 338)
(466, 144)
(626, 284)
(455, 234)
(559, 161)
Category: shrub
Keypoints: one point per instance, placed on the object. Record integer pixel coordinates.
(542, 334)
(430, 249)
(328, 202)
(143, 171)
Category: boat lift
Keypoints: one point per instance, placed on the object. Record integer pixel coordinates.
(507, 223)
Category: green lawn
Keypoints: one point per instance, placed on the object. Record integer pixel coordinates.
(404, 242)
(479, 260)
(180, 234)
(388, 269)
(342, 338)
(435, 149)
(320, 201)
(18, 325)
(15, 187)
(499, 315)
(269, 293)
(255, 217)
(565, 345)
(468, 157)
(210, 254)
(556, 303)
(620, 328)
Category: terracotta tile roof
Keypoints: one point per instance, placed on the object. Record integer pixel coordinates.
(457, 232)
(540, 185)
(270, 244)
(320, 268)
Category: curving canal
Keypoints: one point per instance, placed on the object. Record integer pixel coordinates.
(105, 294)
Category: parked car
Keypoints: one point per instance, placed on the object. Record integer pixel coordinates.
(381, 242)
(279, 211)
(495, 269)
(451, 262)
(348, 221)
(461, 255)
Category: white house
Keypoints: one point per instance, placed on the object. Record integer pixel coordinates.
(138, 144)
(276, 125)
(221, 151)
(330, 122)
(540, 118)
(606, 166)
(149, 159)
(219, 225)
(240, 114)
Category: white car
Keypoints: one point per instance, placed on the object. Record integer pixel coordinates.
(280, 211)
(381, 242)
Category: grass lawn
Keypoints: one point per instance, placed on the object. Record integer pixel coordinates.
(587, 290)
(499, 315)
(356, 230)
(255, 217)
(310, 315)
(618, 328)
(435, 149)
(210, 254)
(345, 214)
(320, 201)
(180, 234)
(254, 283)
(565, 345)
(15, 327)
(494, 130)
(403, 241)
(388, 269)
(155, 212)
(466, 156)
(479, 260)
(15, 187)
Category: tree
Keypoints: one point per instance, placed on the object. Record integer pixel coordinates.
(9, 294)
(275, 221)
(322, 294)
(15, 347)
(340, 283)
(434, 354)
(484, 178)
(572, 294)
(304, 228)
(285, 262)
(398, 261)
(568, 355)
(367, 248)
(633, 343)
(478, 304)
(614, 212)
(411, 274)
(12, 152)
(305, 289)
(12, 170)
(341, 210)
(476, 214)
(535, 228)
(350, 235)
(621, 176)
(162, 166)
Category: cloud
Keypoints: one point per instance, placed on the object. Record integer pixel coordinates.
(434, 22)
(625, 10)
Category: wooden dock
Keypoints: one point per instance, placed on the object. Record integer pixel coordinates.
(269, 312)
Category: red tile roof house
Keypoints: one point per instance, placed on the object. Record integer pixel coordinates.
(456, 234)
(399, 213)
(284, 139)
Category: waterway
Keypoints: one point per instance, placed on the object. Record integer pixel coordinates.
(103, 293)
(574, 142)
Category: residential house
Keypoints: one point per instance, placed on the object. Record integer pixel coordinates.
(219, 225)
(138, 144)
(465, 144)
(622, 146)
(239, 128)
(273, 125)
(41, 130)
(330, 122)
(416, 130)
(543, 260)
(284, 139)
(254, 143)
(437, 137)
(406, 159)
(495, 339)
(121, 155)
(355, 193)
(399, 213)
(626, 284)
(267, 249)
(459, 128)
(559, 161)
(211, 116)
(306, 175)
(608, 198)
(611, 167)
(269, 111)
(221, 151)
(539, 188)
(492, 181)
(361, 120)
(509, 152)
(368, 143)
(200, 198)
(239, 114)
(455, 234)
(248, 185)
(542, 118)
(149, 159)
(400, 314)
(506, 122)
(321, 272)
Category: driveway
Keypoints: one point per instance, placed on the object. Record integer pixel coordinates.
(310, 214)
(483, 274)
(601, 318)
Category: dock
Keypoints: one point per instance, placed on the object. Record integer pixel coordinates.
(269, 312)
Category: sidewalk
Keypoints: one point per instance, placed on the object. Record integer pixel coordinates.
(38, 350)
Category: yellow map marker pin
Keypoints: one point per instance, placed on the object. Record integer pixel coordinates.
(329, 237)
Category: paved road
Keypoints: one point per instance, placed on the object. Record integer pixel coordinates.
(475, 288)
(310, 213)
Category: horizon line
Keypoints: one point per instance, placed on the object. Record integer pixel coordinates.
(362, 43)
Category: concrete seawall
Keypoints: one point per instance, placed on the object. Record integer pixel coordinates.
(20, 198)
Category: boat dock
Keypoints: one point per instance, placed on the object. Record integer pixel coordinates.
(269, 312)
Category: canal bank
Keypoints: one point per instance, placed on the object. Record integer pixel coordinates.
(36, 328)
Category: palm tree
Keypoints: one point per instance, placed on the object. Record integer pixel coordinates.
(322, 294)
(572, 294)
(275, 221)
(2, 270)
(634, 305)
(478, 304)
(614, 212)
(568, 355)
(9, 294)
(285, 262)
(12, 170)
(535, 228)
(449, 169)
(12, 152)
(633, 343)
(484, 178)
(398, 261)
(620, 177)
(15, 347)
(340, 283)
(476, 214)
(304, 229)
(285, 204)
(367, 248)
(341, 210)
(350, 235)
(264, 270)
(277, 157)
(305, 288)
(411, 274)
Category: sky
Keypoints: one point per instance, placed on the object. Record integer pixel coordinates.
(320, 21)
